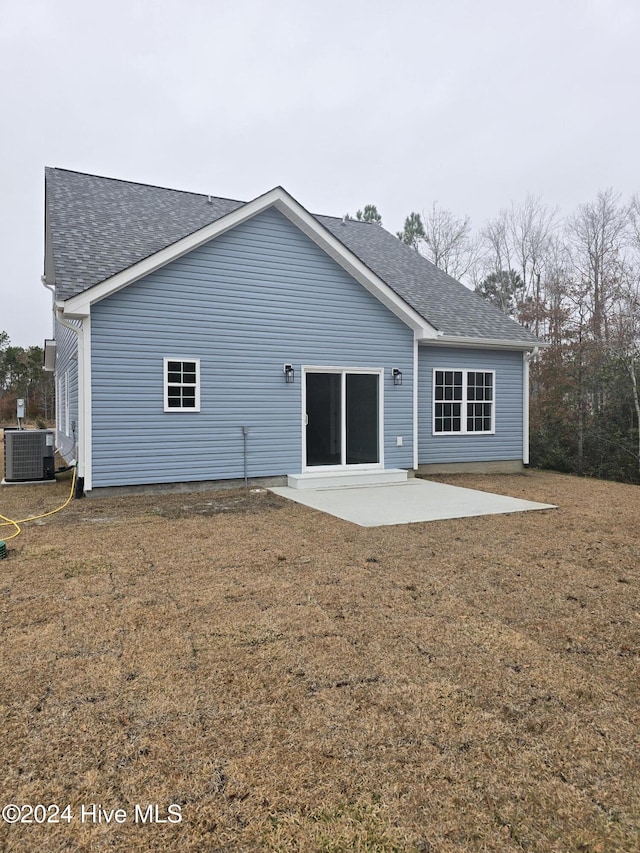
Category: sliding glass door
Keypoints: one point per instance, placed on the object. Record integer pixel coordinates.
(342, 418)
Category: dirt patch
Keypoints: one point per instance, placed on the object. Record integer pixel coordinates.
(293, 681)
(243, 502)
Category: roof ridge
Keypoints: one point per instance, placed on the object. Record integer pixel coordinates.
(348, 219)
(190, 192)
(140, 184)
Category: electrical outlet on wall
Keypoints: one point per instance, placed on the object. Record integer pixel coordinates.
(399, 441)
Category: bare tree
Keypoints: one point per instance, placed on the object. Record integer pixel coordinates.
(530, 228)
(597, 234)
(634, 222)
(557, 283)
(519, 240)
(449, 242)
(496, 247)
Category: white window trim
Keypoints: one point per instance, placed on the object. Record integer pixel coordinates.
(463, 403)
(165, 382)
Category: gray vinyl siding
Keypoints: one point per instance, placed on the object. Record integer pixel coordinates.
(506, 443)
(66, 365)
(246, 303)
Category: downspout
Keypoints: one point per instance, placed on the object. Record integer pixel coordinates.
(527, 357)
(245, 433)
(51, 287)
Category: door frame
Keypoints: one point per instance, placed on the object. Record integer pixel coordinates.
(343, 371)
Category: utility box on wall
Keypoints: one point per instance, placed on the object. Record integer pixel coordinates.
(28, 455)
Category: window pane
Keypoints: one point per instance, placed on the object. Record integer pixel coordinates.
(448, 395)
(324, 418)
(479, 417)
(362, 418)
(488, 385)
(458, 389)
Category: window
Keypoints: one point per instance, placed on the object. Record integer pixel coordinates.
(463, 401)
(181, 385)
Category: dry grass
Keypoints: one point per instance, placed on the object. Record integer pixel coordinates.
(295, 682)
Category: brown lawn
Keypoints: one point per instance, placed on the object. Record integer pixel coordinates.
(294, 682)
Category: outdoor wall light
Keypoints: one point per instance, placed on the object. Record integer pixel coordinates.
(289, 373)
(397, 376)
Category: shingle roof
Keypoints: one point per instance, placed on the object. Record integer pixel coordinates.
(101, 226)
(446, 303)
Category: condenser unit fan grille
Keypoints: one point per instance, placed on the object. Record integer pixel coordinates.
(26, 453)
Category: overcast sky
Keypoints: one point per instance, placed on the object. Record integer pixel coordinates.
(402, 103)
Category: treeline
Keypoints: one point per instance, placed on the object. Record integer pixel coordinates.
(575, 282)
(22, 376)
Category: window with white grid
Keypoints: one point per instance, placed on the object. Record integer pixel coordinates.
(463, 402)
(181, 385)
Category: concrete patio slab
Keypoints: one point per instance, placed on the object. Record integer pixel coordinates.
(404, 503)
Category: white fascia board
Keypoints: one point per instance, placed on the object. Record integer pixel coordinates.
(484, 343)
(80, 305)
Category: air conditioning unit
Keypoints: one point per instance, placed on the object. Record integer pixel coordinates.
(28, 455)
